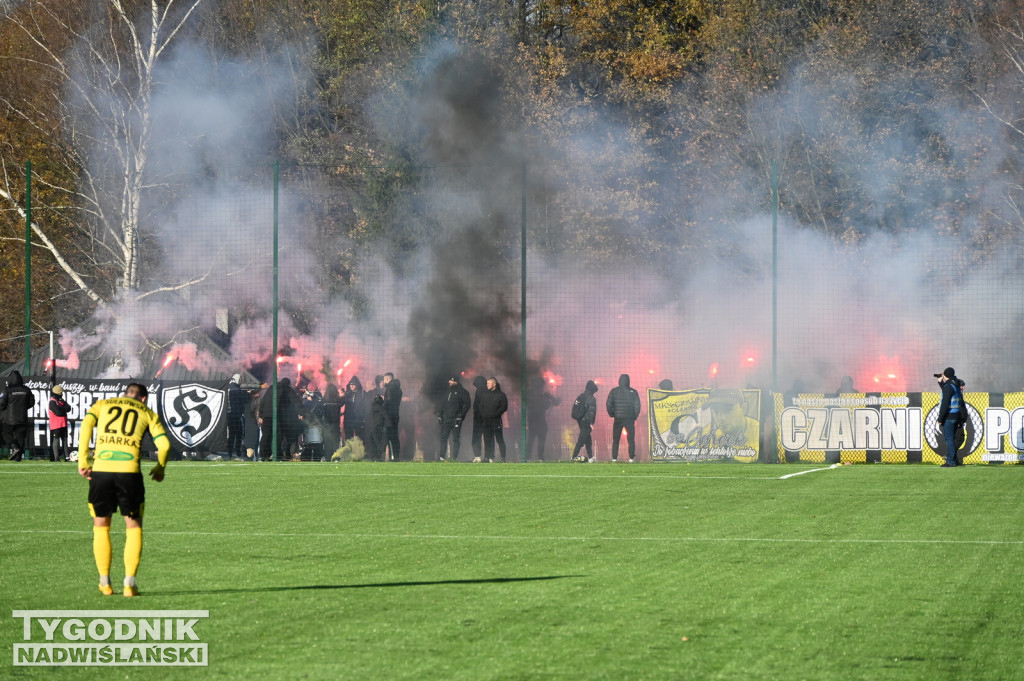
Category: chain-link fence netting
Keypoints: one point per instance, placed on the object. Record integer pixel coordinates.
(543, 276)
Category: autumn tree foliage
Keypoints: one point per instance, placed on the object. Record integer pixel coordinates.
(647, 129)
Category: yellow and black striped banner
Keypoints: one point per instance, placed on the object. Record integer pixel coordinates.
(895, 428)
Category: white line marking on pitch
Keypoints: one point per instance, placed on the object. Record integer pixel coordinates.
(813, 470)
(458, 537)
(233, 468)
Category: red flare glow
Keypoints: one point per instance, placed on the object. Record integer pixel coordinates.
(551, 378)
(46, 367)
(713, 370)
(887, 374)
(347, 362)
(167, 361)
(280, 358)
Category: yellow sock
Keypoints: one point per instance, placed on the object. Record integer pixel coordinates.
(132, 550)
(101, 549)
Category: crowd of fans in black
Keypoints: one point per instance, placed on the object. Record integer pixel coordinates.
(314, 425)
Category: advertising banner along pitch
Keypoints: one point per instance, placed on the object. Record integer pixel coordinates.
(895, 428)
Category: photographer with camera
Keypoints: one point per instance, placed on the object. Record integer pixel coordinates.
(952, 413)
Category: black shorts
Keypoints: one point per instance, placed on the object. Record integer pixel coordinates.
(110, 491)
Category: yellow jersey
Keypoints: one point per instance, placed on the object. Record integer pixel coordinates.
(120, 424)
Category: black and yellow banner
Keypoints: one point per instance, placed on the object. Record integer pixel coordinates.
(704, 425)
(895, 428)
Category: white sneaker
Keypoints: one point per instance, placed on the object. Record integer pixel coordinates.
(631, 461)
(490, 460)
(477, 460)
(591, 460)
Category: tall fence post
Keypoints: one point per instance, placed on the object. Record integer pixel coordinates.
(775, 297)
(28, 267)
(522, 315)
(273, 360)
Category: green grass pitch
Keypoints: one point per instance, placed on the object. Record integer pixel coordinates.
(546, 571)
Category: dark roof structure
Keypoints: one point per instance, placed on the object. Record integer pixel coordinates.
(95, 363)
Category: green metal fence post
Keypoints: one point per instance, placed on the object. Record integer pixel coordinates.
(522, 315)
(775, 298)
(28, 267)
(273, 368)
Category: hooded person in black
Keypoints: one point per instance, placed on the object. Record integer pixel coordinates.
(586, 422)
(476, 439)
(290, 410)
(15, 405)
(623, 407)
(353, 404)
(392, 407)
(237, 403)
(330, 410)
(538, 401)
(451, 412)
(376, 428)
(492, 405)
(287, 409)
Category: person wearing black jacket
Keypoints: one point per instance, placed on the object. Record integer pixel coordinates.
(451, 412)
(58, 413)
(952, 412)
(355, 407)
(492, 405)
(238, 403)
(287, 417)
(586, 423)
(16, 403)
(623, 405)
(290, 411)
(392, 407)
(376, 427)
(538, 401)
(477, 436)
(330, 409)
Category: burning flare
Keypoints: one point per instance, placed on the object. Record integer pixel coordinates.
(167, 362)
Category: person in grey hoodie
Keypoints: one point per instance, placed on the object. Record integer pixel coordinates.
(623, 405)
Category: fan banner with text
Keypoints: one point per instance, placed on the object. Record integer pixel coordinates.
(895, 428)
(704, 425)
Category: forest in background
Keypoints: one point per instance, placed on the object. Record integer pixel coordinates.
(648, 130)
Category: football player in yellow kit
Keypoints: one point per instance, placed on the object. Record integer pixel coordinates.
(115, 480)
